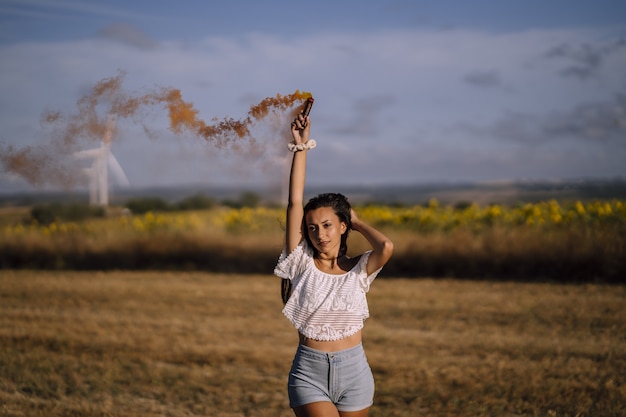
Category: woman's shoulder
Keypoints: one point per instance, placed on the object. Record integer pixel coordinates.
(291, 264)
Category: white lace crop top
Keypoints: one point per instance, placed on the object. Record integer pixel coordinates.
(324, 306)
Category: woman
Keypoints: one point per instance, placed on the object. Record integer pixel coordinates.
(326, 295)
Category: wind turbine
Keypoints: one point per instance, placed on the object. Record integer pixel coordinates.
(103, 161)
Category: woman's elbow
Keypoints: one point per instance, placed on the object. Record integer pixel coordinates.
(386, 249)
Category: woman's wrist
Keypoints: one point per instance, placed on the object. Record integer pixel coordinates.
(297, 147)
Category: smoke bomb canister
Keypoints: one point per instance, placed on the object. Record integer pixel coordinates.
(307, 106)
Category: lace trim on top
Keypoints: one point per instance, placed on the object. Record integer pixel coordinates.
(324, 306)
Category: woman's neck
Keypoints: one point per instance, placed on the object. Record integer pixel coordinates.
(334, 265)
(326, 261)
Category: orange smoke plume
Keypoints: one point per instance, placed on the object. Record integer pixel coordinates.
(36, 165)
(43, 165)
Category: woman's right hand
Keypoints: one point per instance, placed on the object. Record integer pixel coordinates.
(300, 129)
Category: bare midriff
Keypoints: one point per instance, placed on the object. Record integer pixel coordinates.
(333, 345)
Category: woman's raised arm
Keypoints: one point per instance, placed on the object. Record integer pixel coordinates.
(300, 130)
(382, 246)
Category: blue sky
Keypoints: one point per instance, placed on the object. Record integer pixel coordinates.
(406, 91)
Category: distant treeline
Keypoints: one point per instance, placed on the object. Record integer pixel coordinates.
(449, 192)
(47, 213)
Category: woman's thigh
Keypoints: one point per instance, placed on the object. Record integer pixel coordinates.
(326, 409)
(317, 409)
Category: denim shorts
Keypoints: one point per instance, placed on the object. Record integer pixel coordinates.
(343, 378)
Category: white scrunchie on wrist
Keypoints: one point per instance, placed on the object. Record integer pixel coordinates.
(296, 147)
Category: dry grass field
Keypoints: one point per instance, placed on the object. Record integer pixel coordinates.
(196, 344)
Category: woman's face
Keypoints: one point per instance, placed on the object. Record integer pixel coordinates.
(325, 229)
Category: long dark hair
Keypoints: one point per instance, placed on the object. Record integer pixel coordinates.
(340, 205)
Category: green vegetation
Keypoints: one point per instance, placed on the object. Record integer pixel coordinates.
(569, 242)
(156, 204)
(46, 214)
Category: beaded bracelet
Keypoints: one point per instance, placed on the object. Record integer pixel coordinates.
(296, 147)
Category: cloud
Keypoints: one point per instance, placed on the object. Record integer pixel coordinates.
(484, 79)
(364, 120)
(390, 105)
(60, 9)
(584, 60)
(128, 34)
(592, 122)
